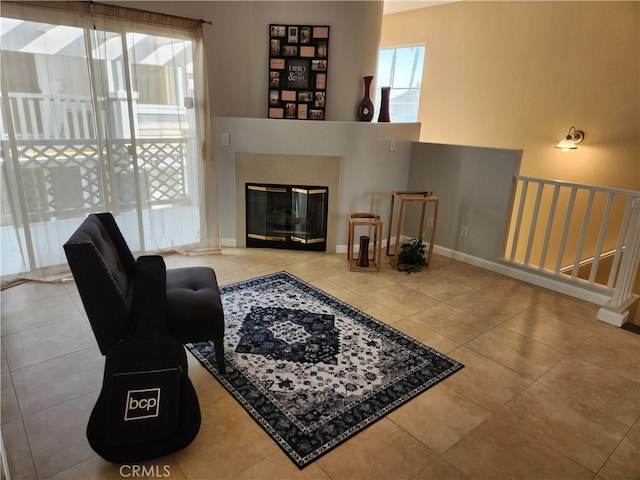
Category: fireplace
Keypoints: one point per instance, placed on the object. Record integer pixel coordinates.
(292, 217)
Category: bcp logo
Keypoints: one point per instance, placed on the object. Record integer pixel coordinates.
(142, 404)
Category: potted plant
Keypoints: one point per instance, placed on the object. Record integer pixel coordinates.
(411, 256)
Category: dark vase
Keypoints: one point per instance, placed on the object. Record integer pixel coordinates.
(365, 108)
(363, 255)
(384, 105)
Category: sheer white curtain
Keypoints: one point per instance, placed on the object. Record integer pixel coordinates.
(103, 109)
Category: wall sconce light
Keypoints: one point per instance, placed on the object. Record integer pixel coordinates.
(569, 141)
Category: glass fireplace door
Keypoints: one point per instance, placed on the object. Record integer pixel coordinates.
(287, 216)
(310, 207)
(267, 213)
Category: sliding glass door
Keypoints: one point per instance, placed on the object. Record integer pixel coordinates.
(96, 116)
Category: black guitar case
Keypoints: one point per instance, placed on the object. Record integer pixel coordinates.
(147, 407)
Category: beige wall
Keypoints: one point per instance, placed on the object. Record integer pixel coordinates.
(519, 74)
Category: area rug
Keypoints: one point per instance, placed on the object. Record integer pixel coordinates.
(312, 370)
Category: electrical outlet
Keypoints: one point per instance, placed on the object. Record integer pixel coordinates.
(464, 231)
(430, 222)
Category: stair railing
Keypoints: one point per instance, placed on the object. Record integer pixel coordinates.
(617, 310)
(582, 234)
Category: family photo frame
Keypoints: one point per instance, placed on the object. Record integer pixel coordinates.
(298, 60)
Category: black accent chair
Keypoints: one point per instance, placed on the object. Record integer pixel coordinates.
(104, 269)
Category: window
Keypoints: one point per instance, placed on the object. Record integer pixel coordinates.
(401, 69)
(97, 117)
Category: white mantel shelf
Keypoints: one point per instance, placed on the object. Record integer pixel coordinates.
(312, 137)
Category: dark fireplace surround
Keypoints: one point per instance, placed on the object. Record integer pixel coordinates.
(291, 217)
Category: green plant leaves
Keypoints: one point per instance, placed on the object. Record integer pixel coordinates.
(411, 256)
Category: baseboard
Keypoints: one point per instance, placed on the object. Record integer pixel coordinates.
(228, 242)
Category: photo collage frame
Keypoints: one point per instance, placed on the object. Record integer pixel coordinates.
(298, 60)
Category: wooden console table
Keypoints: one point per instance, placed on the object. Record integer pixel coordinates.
(403, 198)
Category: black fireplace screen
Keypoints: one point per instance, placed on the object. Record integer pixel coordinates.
(287, 216)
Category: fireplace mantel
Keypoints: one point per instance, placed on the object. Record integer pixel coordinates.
(363, 164)
(287, 169)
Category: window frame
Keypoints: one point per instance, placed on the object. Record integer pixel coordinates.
(391, 81)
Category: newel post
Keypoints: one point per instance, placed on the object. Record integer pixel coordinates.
(616, 310)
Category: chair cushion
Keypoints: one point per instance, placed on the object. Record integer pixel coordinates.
(194, 306)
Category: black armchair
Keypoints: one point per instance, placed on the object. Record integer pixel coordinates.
(103, 268)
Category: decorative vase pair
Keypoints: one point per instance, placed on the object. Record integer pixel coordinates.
(365, 108)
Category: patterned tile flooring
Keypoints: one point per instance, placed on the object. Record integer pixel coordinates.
(548, 392)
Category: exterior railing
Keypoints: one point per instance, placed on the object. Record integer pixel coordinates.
(582, 234)
(63, 156)
(51, 164)
(65, 178)
(41, 116)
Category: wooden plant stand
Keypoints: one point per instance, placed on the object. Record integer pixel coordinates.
(365, 220)
(403, 198)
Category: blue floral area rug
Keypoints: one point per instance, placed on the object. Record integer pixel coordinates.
(312, 370)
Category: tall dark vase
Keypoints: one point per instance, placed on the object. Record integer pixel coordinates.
(365, 108)
(384, 105)
(363, 255)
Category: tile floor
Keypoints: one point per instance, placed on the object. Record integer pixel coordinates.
(548, 392)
